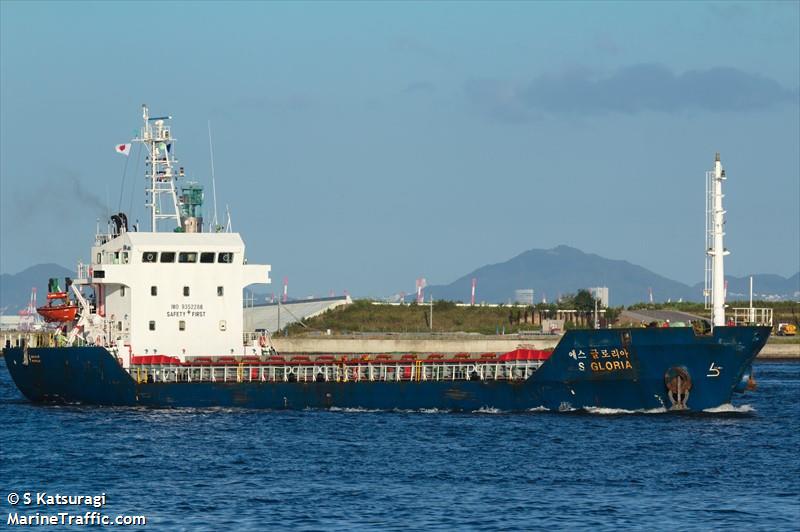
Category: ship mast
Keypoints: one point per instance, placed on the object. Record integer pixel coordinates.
(715, 250)
(162, 198)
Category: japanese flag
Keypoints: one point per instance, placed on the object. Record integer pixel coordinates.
(124, 149)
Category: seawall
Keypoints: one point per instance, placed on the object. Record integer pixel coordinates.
(478, 344)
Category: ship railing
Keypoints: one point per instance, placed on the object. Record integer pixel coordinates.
(752, 316)
(405, 371)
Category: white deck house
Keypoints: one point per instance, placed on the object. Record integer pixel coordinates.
(176, 294)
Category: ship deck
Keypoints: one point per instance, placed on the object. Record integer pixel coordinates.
(517, 365)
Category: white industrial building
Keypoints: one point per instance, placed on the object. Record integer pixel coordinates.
(601, 294)
(272, 317)
(523, 296)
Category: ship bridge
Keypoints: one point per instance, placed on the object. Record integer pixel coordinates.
(173, 293)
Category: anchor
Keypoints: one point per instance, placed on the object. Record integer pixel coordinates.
(678, 383)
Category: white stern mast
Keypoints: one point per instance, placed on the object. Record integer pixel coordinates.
(715, 250)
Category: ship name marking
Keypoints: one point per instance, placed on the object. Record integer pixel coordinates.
(598, 363)
(611, 365)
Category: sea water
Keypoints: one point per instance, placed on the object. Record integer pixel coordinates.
(220, 469)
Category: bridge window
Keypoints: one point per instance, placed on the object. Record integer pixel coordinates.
(152, 325)
(186, 291)
(207, 257)
(187, 256)
(167, 256)
(149, 256)
(153, 290)
(226, 257)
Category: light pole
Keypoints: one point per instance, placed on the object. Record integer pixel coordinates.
(431, 324)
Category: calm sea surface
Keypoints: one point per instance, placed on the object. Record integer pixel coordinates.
(220, 469)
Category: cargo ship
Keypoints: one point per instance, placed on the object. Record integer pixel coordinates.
(163, 327)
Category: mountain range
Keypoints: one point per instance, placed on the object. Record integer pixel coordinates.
(15, 290)
(563, 269)
(549, 272)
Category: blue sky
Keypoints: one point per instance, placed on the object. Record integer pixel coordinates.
(361, 146)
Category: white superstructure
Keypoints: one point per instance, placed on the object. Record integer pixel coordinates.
(176, 292)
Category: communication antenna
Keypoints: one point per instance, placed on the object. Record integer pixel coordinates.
(228, 225)
(213, 179)
(472, 299)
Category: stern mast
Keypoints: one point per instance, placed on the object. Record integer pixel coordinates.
(715, 250)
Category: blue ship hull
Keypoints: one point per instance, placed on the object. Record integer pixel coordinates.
(581, 373)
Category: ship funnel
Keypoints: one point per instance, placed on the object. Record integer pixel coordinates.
(191, 208)
(120, 221)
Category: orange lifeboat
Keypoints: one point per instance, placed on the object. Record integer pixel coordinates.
(59, 308)
(58, 313)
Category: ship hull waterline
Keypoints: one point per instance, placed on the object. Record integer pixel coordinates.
(580, 374)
